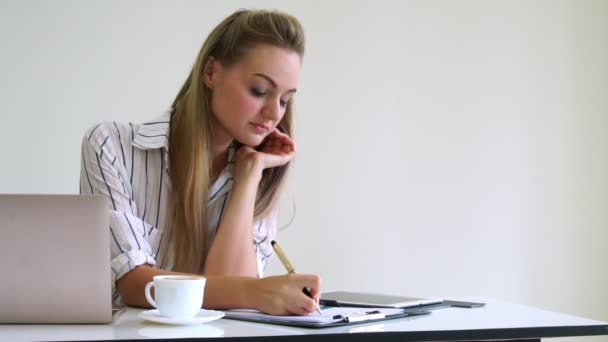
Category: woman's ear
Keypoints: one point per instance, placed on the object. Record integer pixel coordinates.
(210, 72)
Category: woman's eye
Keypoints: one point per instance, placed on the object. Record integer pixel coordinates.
(283, 103)
(257, 92)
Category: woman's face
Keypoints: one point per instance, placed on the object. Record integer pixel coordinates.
(249, 98)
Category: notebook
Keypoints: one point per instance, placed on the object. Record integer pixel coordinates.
(330, 316)
(55, 252)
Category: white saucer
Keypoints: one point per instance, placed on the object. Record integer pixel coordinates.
(203, 316)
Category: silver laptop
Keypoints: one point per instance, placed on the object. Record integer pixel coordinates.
(54, 259)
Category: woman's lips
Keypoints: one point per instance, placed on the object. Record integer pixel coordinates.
(260, 129)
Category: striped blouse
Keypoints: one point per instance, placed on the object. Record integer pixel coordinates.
(128, 163)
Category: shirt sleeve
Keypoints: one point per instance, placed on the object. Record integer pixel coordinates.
(103, 173)
(264, 231)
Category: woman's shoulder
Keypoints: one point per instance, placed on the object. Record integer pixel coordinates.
(101, 133)
(114, 134)
(107, 139)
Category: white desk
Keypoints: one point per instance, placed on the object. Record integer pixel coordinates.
(497, 320)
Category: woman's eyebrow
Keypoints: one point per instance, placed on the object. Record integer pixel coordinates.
(272, 82)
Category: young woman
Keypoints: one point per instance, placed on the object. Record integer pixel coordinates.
(195, 191)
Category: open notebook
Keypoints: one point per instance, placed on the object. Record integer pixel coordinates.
(330, 316)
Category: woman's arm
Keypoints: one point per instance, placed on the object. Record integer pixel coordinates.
(225, 294)
(274, 295)
(233, 251)
(104, 172)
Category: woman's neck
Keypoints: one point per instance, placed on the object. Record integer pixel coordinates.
(220, 141)
(219, 158)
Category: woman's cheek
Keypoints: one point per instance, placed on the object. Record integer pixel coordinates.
(249, 106)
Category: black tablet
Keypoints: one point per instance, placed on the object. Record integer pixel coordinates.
(366, 299)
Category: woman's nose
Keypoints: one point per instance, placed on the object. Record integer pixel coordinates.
(272, 110)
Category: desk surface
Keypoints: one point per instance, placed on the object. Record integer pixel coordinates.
(497, 320)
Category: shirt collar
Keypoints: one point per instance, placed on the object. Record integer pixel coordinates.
(152, 134)
(223, 183)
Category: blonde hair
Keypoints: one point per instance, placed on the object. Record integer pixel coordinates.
(190, 132)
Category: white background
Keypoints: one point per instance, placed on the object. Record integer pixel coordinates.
(445, 147)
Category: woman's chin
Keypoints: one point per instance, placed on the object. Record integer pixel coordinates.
(250, 140)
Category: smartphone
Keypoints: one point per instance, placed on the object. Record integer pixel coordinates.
(366, 299)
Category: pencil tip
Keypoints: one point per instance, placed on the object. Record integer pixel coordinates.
(272, 242)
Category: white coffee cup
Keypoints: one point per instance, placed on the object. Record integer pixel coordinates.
(177, 296)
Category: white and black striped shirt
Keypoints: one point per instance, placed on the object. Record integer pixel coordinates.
(128, 164)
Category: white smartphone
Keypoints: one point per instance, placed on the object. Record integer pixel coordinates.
(366, 299)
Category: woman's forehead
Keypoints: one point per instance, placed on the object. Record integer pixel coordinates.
(280, 64)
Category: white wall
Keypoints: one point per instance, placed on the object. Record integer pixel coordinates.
(445, 148)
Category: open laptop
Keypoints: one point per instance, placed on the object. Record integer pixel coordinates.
(54, 259)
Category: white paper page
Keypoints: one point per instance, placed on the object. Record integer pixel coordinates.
(329, 314)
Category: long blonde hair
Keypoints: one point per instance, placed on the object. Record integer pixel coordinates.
(190, 133)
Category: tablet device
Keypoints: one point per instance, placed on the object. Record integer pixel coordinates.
(366, 299)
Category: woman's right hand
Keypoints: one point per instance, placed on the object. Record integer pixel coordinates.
(282, 295)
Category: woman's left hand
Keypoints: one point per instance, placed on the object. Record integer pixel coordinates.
(277, 149)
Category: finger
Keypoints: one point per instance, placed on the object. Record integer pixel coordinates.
(272, 146)
(277, 143)
(286, 140)
(310, 305)
(297, 310)
(278, 133)
(288, 156)
(284, 137)
(272, 135)
(293, 145)
(316, 291)
(277, 159)
(281, 152)
(305, 305)
(311, 282)
(280, 158)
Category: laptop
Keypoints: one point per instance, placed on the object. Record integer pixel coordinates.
(54, 259)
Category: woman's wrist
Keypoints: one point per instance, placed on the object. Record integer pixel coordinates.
(228, 292)
(251, 293)
(250, 172)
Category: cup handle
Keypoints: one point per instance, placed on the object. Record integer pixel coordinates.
(148, 296)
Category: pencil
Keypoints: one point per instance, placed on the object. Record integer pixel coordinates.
(290, 269)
